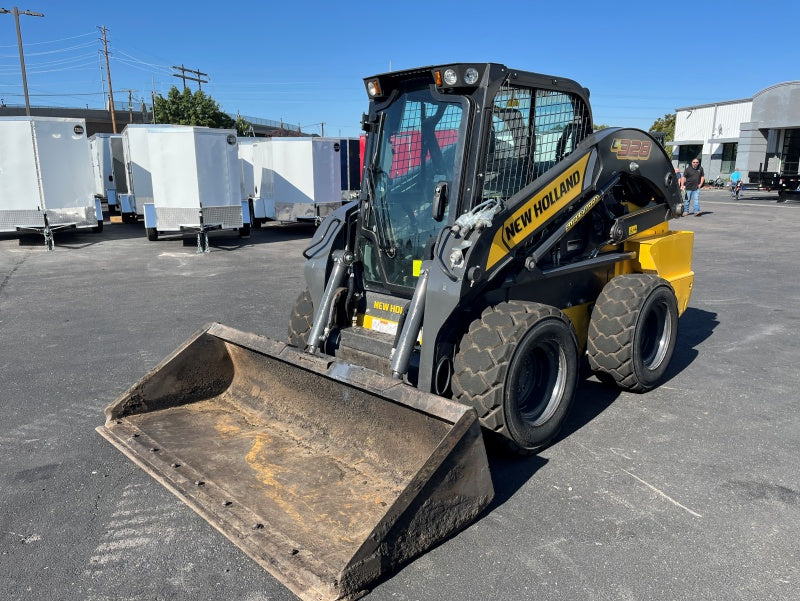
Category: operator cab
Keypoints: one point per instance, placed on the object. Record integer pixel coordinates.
(434, 152)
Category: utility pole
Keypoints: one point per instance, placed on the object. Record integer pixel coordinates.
(16, 12)
(130, 104)
(153, 99)
(110, 89)
(184, 77)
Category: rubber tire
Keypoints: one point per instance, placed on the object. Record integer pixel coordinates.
(632, 331)
(510, 340)
(128, 217)
(301, 320)
(98, 228)
(152, 233)
(244, 231)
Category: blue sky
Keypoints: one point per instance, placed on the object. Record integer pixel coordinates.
(303, 62)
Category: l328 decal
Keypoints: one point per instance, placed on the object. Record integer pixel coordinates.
(626, 148)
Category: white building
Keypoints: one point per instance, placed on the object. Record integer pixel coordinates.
(761, 133)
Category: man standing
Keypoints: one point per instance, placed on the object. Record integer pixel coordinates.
(693, 179)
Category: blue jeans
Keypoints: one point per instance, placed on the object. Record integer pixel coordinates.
(694, 197)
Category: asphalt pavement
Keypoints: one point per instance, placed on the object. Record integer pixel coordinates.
(688, 492)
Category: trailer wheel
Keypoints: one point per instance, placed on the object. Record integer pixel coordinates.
(632, 331)
(128, 217)
(301, 320)
(256, 222)
(244, 231)
(152, 234)
(518, 367)
(98, 228)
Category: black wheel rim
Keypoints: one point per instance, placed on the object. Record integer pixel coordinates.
(538, 380)
(656, 333)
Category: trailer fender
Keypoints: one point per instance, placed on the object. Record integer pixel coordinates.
(127, 203)
(150, 219)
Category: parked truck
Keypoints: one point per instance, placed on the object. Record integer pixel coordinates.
(787, 184)
(46, 179)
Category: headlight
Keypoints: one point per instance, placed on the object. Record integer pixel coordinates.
(373, 88)
(456, 76)
(471, 76)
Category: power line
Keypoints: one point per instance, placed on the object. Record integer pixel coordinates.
(132, 59)
(137, 65)
(61, 94)
(75, 37)
(78, 47)
(64, 61)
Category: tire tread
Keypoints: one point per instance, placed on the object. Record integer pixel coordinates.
(482, 361)
(612, 328)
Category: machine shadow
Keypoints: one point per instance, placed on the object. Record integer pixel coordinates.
(695, 326)
(510, 472)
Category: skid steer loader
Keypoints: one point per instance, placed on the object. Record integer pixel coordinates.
(497, 241)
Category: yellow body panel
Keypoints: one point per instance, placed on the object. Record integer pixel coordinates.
(666, 253)
(658, 250)
(579, 316)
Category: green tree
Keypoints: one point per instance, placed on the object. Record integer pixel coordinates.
(187, 108)
(665, 124)
(601, 126)
(243, 127)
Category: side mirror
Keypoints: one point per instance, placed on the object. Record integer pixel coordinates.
(439, 201)
(366, 125)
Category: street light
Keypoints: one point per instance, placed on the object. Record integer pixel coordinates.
(16, 12)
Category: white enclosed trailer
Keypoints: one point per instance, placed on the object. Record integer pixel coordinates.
(301, 178)
(108, 163)
(263, 201)
(46, 180)
(195, 178)
(139, 184)
(251, 162)
(247, 175)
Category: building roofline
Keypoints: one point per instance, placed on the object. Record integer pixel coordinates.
(777, 85)
(759, 93)
(710, 104)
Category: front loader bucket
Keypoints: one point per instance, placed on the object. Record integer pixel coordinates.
(330, 476)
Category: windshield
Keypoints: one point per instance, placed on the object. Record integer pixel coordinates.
(419, 145)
